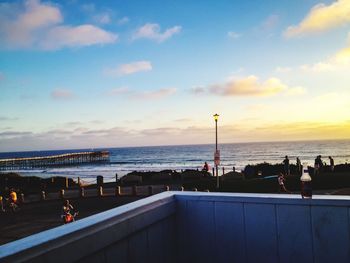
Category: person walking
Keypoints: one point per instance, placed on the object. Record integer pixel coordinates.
(281, 180)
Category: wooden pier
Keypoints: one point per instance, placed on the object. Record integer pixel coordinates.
(55, 160)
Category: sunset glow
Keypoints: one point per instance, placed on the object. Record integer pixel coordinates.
(77, 74)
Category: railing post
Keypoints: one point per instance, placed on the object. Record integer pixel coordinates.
(223, 170)
(43, 196)
(81, 192)
(118, 191)
(182, 189)
(213, 171)
(167, 188)
(100, 191)
(67, 183)
(62, 193)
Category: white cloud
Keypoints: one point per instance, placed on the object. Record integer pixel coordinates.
(84, 35)
(130, 68)
(152, 31)
(62, 94)
(122, 21)
(269, 23)
(337, 62)
(321, 18)
(36, 25)
(251, 87)
(103, 18)
(233, 35)
(118, 91)
(155, 94)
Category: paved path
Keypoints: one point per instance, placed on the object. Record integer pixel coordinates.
(39, 216)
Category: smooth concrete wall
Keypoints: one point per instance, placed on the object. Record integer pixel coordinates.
(199, 227)
(141, 231)
(262, 228)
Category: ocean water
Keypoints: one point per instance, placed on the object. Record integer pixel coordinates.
(157, 158)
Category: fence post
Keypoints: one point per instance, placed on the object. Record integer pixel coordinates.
(223, 170)
(43, 196)
(62, 193)
(81, 191)
(117, 191)
(100, 191)
(67, 183)
(150, 190)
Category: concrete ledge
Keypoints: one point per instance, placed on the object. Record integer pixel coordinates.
(87, 236)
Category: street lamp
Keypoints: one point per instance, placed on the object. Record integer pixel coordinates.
(217, 152)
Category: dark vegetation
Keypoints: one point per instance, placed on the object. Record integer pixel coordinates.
(32, 184)
(259, 178)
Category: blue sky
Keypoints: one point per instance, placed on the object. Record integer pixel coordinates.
(80, 74)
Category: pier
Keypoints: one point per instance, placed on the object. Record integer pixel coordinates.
(55, 160)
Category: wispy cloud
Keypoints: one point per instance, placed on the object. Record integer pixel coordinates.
(118, 91)
(336, 62)
(321, 18)
(130, 68)
(103, 18)
(36, 25)
(267, 26)
(269, 23)
(152, 32)
(233, 35)
(154, 94)
(283, 69)
(250, 87)
(4, 118)
(62, 94)
(124, 20)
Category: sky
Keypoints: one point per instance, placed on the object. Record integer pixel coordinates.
(88, 74)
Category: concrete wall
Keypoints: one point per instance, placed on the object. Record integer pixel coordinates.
(141, 231)
(262, 228)
(199, 227)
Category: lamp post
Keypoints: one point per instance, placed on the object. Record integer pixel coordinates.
(217, 153)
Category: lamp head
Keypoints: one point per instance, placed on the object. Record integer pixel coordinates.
(216, 116)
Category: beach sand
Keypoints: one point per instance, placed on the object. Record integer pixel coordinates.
(36, 217)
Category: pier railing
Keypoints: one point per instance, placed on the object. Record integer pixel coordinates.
(54, 160)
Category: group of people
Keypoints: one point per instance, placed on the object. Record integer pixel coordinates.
(10, 203)
(318, 165)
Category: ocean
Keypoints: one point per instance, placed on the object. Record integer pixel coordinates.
(157, 158)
